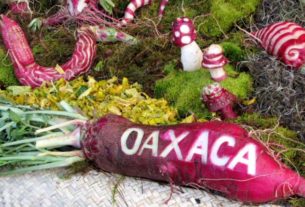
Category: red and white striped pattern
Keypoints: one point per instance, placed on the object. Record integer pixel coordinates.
(285, 40)
(136, 4)
(28, 72)
(131, 8)
(214, 60)
(162, 8)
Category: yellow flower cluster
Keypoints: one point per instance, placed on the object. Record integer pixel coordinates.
(96, 98)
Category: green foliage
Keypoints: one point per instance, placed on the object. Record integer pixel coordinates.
(232, 51)
(142, 63)
(297, 202)
(7, 76)
(183, 89)
(54, 47)
(107, 5)
(224, 13)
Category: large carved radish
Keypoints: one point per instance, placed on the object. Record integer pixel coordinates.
(29, 72)
(285, 40)
(136, 4)
(214, 155)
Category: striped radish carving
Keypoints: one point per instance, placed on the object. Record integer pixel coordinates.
(28, 72)
(136, 4)
(162, 8)
(285, 40)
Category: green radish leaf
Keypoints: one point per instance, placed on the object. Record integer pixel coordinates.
(14, 116)
(81, 90)
(108, 5)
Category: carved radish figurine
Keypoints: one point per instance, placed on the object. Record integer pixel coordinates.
(285, 40)
(79, 11)
(214, 155)
(184, 36)
(136, 4)
(214, 60)
(28, 72)
(218, 99)
(19, 6)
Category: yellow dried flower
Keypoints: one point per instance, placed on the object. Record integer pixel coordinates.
(96, 99)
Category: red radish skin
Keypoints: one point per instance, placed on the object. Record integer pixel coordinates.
(28, 72)
(215, 155)
(285, 40)
(218, 99)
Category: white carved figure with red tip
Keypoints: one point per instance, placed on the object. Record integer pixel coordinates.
(184, 36)
(214, 60)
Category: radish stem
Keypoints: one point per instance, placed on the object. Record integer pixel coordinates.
(72, 139)
(78, 153)
(29, 140)
(61, 125)
(58, 113)
(66, 162)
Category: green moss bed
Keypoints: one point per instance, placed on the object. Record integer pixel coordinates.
(183, 89)
(155, 62)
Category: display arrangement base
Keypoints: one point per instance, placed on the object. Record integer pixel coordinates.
(93, 188)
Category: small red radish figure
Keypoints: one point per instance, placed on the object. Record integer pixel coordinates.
(218, 99)
(284, 40)
(214, 60)
(21, 7)
(184, 36)
(136, 4)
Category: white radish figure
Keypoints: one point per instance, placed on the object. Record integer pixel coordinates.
(214, 60)
(136, 4)
(184, 36)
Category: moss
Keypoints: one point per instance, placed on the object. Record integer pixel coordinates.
(297, 202)
(233, 51)
(183, 89)
(142, 63)
(7, 76)
(278, 138)
(224, 13)
(53, 47)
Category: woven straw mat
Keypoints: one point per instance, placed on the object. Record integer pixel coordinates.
(47, 188)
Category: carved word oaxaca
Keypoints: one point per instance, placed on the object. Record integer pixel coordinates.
(200, 147)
